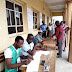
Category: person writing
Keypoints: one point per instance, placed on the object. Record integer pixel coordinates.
(38, 39)
(28, 48)
(11, 55)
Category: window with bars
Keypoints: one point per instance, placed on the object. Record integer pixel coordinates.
(14, 17)
(34, 20)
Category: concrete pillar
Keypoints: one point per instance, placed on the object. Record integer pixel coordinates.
(70, 47)
(47, 20)
(69, 13)
(69, 19)
(43, 17)
(38, 20)
(51, 20)
(65, 14)
(63, 17)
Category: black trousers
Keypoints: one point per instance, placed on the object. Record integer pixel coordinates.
(44, 34)
(47, 33)
(18, 70)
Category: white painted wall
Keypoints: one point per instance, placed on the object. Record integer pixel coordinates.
(30, 19)
(46, 20)
(40, 18)
(49, 19)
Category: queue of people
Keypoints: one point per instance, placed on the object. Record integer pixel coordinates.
(48, 30)
(60, 31)
(25, 49)
(59, 37)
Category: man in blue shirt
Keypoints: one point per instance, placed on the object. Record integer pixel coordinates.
(43, 28)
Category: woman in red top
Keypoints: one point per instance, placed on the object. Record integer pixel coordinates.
(65, 29)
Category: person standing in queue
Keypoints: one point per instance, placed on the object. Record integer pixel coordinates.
(43, 28)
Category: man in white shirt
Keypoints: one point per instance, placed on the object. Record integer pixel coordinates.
(11, 55)
(28, 47)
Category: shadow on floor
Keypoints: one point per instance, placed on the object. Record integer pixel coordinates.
(62, 65)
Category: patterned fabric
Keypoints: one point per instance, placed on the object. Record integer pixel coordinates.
(64, 37)
(38, 38)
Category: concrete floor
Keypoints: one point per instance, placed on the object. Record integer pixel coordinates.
(62, 65)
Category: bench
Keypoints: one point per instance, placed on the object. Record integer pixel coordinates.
(2, 62)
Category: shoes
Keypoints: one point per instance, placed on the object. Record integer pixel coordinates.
(56, 49)
(63, 50)
(57, 53)
(59, 57)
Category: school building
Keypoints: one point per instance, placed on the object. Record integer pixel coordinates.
(20, 17)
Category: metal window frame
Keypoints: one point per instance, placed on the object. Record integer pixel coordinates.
(15, 17)
(34, 20)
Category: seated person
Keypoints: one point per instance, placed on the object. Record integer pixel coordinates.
(28, 47)
(50, 29)
(11, 55)
(38, 39)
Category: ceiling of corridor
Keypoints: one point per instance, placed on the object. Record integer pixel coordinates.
(55, 5)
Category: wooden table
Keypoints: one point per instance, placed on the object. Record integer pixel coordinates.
(23, 69)
(51, 46)
(50, 60)
(50, 43)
